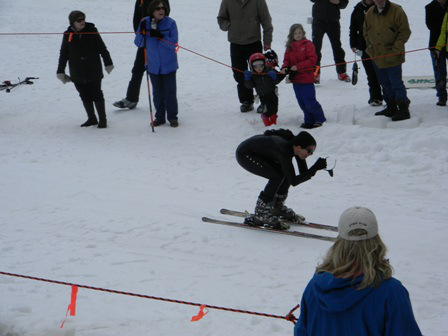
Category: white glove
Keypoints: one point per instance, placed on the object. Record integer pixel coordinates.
(63, 78)
(109, 68)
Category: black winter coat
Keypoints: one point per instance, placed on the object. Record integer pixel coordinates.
(82, 52)
(434, 19)
(141, 11)
(263, 84)
(279, 151)
(324, 10)
(356, 23)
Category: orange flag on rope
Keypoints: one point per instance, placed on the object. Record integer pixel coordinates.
(201, 314)
(72, 306)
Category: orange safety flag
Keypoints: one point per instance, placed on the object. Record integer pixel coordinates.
(201, 314)
(72, 306)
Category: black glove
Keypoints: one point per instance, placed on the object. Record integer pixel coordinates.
(320, 164)
(156, 33)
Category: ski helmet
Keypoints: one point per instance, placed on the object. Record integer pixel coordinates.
(256, 57)
(271, 58)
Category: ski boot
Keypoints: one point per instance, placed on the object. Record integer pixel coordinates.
(263, 217)
(285, 213)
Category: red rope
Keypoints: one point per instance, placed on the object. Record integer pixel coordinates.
(287, 317)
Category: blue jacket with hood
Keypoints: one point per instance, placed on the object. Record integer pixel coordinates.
(333, 306)
(161, 56)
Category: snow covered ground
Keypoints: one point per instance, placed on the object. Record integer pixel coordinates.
(121, 208)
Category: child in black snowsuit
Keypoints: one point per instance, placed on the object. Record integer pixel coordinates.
(264, 79)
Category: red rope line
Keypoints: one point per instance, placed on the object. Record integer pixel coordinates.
(287, 317)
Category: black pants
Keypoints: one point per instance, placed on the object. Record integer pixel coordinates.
(333, 30)
(239, 55)
(270, 100)
(138, 71)
(372, 79)
(90, 92)
(277, 184)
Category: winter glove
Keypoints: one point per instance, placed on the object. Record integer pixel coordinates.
(292, 74)
(320, 164)
(63, 78)
(272, 74)
(247, 75)
(156, 33)
(109, 68)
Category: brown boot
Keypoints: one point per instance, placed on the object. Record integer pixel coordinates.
(101, 110)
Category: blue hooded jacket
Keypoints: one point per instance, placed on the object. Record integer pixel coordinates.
(333, 306)
(161, 56)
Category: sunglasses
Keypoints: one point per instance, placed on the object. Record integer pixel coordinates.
(256, 66)
(159, 8)
(310, 151)
(80, 20)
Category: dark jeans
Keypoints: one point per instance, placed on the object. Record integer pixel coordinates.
(306, 97)
(239, 55)
(333, 30)
(164, 89)
(439, 68)
(90, 92)
(277, 184)
(372, 79)
(392, 83)
(138, 71)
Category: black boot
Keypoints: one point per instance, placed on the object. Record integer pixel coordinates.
(90, 114)
(285, 213)
(389, 111)
(101, 109)
(402, 113)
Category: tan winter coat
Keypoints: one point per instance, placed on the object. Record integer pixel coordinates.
(386, 33)
(242, 20)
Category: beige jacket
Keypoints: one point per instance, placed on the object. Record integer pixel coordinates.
(386, 34)
(242, 20)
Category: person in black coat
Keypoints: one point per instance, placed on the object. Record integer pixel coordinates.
(326, 16)
(358, 43)
(138, 70)
(82, 47)
(270, 156)
(435, 12)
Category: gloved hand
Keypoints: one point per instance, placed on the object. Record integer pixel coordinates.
(320, 164)
(63, 78)
(109, 68)
(247, 75)
(272, 74)
(292, 74)
(156, 33)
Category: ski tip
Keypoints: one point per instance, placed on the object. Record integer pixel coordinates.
(223, 211)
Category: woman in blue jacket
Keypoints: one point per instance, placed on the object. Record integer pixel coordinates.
(353, 291)
(158, 34)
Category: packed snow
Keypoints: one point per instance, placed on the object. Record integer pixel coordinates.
(121, 207)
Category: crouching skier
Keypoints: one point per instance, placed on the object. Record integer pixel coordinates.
(270, 156)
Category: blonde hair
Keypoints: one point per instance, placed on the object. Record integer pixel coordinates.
(349, 259)
(293, 28)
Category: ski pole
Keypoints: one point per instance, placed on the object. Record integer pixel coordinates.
(147, 78)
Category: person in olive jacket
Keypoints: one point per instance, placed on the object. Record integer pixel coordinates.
(358, 43)
(435, 12)
(386, 31)
(241, 19)
(82, 47)
(326, 16)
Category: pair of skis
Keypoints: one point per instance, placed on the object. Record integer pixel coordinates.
(269, 229)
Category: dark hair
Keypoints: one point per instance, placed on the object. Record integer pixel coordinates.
(303, 139)
(75, 15)
(155, 3)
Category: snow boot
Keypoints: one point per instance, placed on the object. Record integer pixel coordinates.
(124, 103)
(263, 216)
(101, 110)
(402, 113)
(90, 110)
(285, 213)
(389, 111)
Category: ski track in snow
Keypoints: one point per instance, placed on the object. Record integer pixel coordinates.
(121, 208)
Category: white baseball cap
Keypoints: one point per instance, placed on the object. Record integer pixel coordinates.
(357, 218)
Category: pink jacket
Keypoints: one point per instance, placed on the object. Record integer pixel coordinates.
(303, 55)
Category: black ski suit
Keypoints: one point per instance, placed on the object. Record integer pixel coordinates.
(270, 156)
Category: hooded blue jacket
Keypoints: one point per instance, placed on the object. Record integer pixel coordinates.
(161, 56)
(332, 306)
